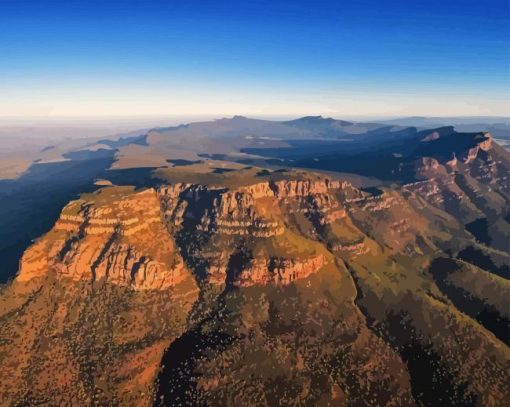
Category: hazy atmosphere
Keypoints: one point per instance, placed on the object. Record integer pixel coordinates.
(259, 58)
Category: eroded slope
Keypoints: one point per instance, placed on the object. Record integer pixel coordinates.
(297, 290)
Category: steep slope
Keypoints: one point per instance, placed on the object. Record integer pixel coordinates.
(464, 174)
(100, 239)
(95, 304)
(385, 243)
(472, 184)
(296, 289)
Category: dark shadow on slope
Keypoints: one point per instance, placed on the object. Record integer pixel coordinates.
(476, 256)
(222, 170)
(485, 314)
(374, 191)
(139, 177)
(432, 383)
(236, 264)
(30, 205)
(190, 239)
(177, 379)
(479, 228)
(183, 163)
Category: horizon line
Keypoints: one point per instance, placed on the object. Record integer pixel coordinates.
(249, 116)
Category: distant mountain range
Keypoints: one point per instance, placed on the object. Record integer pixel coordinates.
(499, 127)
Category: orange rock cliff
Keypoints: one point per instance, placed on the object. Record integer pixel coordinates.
(129, 238)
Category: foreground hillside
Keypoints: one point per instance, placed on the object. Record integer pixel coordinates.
(227, 284)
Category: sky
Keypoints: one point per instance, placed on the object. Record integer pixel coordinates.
(343, 58)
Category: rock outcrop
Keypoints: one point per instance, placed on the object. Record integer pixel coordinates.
(279, 271)
(110, 235)
(235, 212)
(109, 238)
(453, 162)
(481, 142)
(257, 211)
(351, 249)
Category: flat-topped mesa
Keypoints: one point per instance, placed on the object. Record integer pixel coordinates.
(116, 217)
(110, 235)
(293, 188)
(237, 214)
(218, 210)
(297, 195)
(259, 211)
(237, 211)
(266, 189)
(279, 271)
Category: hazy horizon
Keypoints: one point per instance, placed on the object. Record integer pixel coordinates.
(169, 118)
(280, 58)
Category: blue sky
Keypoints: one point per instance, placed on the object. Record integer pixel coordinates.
(337, 58)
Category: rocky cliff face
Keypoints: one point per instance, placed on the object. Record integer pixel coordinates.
(278, 271)
(109, 238)
(258, 213)
(484, 143)
(299, 291)
(472, 184)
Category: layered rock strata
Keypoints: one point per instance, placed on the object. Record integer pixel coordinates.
(112, 235)
(114, 240)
